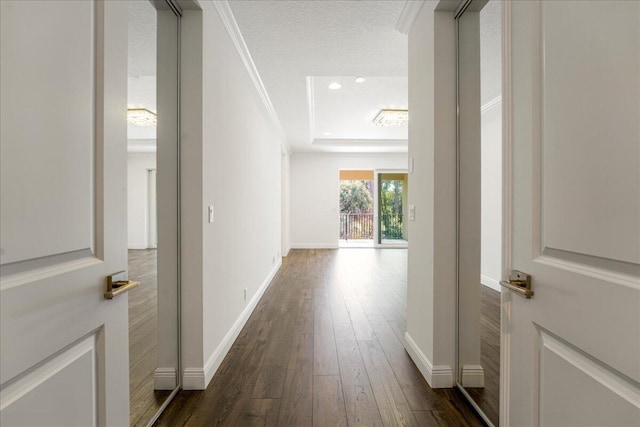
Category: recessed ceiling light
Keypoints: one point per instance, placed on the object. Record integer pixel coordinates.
(141, 117)
(327, 134)
(360, 80)
(335, 86)
(392, 118)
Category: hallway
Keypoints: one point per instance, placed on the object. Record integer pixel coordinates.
(323, 347)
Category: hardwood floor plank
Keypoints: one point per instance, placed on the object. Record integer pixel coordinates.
(261, 413)
(296, 406)
(426, 418)
(393, 406)
(328, 402)
(360, 402)
(324, 344)
(414, 387)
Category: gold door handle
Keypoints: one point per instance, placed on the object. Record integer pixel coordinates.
(118, 283)
(520, 283)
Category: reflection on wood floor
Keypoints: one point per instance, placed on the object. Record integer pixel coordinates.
(489, 398)
(324, 347)
(143, 337)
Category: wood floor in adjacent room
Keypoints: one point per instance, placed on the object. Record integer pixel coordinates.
(324, 348)
(143, 338)
(488, 398)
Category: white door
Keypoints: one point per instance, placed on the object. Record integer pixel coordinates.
(64, 349)
(572, 352)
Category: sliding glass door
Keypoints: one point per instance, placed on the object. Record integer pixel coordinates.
(392, 209)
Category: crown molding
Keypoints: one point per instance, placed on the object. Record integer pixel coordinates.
(408, 15)
(226, 16)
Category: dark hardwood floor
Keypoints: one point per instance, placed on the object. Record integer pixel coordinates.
(488, 398)
(143, 338)
(324, 347)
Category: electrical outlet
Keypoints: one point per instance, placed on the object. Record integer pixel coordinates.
(273, 260)
(245, 294)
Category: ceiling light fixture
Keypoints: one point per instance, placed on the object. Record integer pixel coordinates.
(327, 134)
(392, 118)
(141, 117)
(335, 86)
(360, 80)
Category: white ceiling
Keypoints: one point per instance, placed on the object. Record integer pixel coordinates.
(328, 41)
(142, 65)
(491, 51)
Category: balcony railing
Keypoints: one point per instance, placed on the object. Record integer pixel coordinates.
(359, 226)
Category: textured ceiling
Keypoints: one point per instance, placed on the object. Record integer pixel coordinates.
(292, 40)
(490, 51)
(348, 113)
(142, 64)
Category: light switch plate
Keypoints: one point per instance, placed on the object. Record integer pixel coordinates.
(211, 218)
(412, 212)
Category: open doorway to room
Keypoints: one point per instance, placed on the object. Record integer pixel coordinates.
(356, 208)
(391, 224)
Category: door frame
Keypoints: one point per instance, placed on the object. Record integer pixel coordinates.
(376, 208)
(507, 176)
(507, 209)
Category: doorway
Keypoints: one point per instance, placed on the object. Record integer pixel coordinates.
(153, 233)
(391, 196)
(357, 228)
(479, 59)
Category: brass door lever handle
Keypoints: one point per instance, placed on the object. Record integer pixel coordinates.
(118, 283)
(520, 283)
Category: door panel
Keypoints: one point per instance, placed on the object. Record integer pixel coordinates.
(59, 214)
(590, 76)
(35, 400)
(572, 352)
(63, 143)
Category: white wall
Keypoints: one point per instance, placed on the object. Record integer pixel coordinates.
(491, 217)
(315, 203)
(232, 152)
(431, 308)
(286, 202)
(138, 165)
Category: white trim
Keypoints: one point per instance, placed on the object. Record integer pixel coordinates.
(315, 246)
(193, 379)
(214, 361)
(230, 24)
(311, 107)
(164, 379)
(408, 15)
(439, 376)
(490, 283)
(507, 212)
(472, 376)
(490, 105)
(138, 246)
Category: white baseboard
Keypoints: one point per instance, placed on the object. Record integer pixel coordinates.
(137, 246)
(490, 283)
(439, 376)
(164, 379)
(473, 376)
(315, 246)
(199, 379)
(193, 379)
